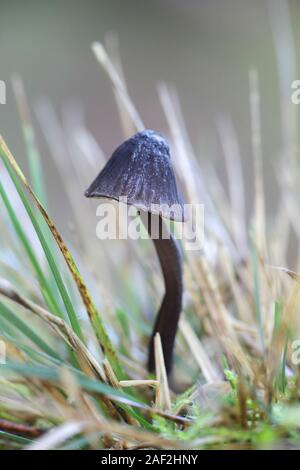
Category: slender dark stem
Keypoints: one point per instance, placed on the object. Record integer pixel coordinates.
(168, 315)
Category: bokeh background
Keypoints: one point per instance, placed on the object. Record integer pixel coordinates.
(203, 47)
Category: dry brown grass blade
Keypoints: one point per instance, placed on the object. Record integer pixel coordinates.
(260, 211)
(20, 429)
(112, 47)
(210, 373)
(112, 380)
(189, 170)
(221, 318)
(132, 434)
(118, 84)
(184, 156)
(295, 276)
(163, 398)
(235, 178)
(87, 361)
(237, 288)
(89, 364)
(57, 436)
(139, 383)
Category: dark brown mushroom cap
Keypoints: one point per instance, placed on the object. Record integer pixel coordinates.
(141, 170)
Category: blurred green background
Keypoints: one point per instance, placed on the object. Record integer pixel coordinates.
(205, 48)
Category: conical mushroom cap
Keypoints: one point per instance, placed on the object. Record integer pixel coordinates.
(140, 169)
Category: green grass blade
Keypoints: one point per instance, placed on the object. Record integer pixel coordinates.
(82, 442)
(34, 356)
(20, 325)
(47, 293)
(283, 366)
(55, 271)
(277, 316)
(19, 178)
(14, 437)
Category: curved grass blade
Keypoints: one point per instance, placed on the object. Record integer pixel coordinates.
(33, 154)
(33, 356)
(6, 157)
(14, 320)
(47, 293)
(98, 326)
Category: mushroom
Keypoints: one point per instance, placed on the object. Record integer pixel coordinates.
(140, 169)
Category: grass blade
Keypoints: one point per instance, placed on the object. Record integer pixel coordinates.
(13, 319)
(34, 159)
(14, 437)
(100, 331)
(255, 272)
(55, 271)
(48, 295)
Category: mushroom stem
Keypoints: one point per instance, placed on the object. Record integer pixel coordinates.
(168, 315)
